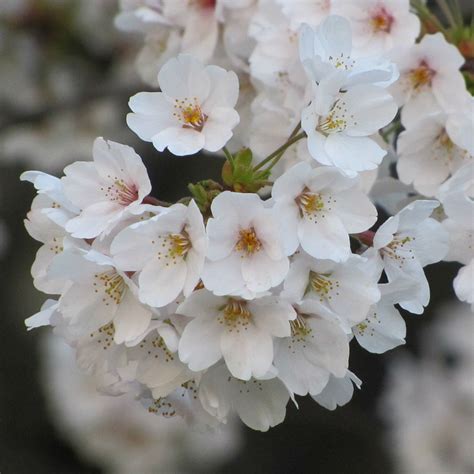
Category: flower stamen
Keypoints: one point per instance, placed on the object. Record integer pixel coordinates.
(189, 113)
(248, 242)
(309, 202)
(113, 286)
(381, 21)
(422, 75)
(322, 285)
(174, 247)
(235, 315)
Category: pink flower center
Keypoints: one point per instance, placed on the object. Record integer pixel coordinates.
(206, 4)
(121, 192)
(381, 20)
(422, 75)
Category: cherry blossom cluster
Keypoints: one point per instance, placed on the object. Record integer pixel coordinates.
(249, 291)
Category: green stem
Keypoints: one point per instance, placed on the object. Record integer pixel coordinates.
(295, 131)
(228, 156)
(457, 12)
(394, 127)
(280, 151)
(426, 15)
(443, 5)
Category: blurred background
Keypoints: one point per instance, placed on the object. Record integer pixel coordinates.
(65, 77)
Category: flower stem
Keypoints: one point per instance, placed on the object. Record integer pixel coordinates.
(446, 9)
(429, 20)
(277, 154)
(229, 156)
(394, 127)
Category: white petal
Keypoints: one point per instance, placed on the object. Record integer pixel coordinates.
(383, 330)
(184, 77)
(199, 346)
(95, 219)
(355, 210)
(464, 283)
(180, 141)
(224, 89)
(223, 234)
(224, 277)
(161, 281)
(324, 237)
(248, 352)
(353, 153)
(131, 319)
(218, 129)
(272, 315)
(201, 304)
(261, 273)
(372, 108)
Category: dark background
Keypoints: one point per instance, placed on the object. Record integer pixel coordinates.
(350, 440)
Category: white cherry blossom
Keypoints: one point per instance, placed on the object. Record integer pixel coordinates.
(44, 316)
(379, 26)
(406, 243)
(460, 125)
(245, 254)
(384, 328)
(51, 199)
(319, 208)
(99, 295)
(432, 149)
(194, 111)
(196, 22)
(339, 125)
(464, 283)
(50, 211)
(183, 402)
(106, 190)
(260, 404)
(154, 360)
(456, 195)
(338, 392)
(429, 70)
(316, 349)
(167, 250)
(342, 291)
(312, 12)
(274, 60)
(326, 53)
(237, 330)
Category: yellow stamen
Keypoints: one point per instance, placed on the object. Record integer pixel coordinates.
(235, 315)
(248, 242)
(422, 75)
(322, 285)
(189, 113)
(309, 202)
(112, 285)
